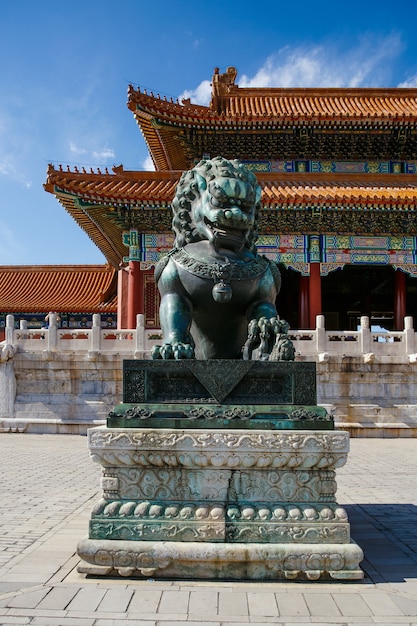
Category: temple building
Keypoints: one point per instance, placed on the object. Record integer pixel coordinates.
(74, 292)
(338, 171)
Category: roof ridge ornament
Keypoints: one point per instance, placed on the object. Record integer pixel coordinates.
(222, 83)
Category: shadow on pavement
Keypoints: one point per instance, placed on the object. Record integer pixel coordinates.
(387, 534)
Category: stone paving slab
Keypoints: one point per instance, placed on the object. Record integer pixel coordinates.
(49, 485)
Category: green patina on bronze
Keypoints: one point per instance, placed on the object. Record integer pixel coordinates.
(214, 283)
(258, 416)
(226, 360)
(220, 393)
(219, 381)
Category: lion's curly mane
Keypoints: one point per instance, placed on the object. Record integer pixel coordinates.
(189, 190)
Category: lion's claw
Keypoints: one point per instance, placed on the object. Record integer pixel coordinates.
(175, 351)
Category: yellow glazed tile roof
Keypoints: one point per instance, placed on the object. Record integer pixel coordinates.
(61, 288)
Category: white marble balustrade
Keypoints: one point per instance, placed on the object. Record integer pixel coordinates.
(137, 343)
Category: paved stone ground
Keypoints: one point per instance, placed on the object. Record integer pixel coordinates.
(48, 486)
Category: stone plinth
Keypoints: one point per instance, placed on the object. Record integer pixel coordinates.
(208, 503)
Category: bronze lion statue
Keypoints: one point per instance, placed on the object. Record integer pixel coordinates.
(213, 284)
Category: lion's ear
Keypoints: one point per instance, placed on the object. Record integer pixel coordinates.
(201, 182)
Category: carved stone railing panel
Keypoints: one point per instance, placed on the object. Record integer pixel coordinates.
(138, 342)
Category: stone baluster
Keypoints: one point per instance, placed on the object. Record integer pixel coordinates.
(95, 345)
(52, 332)
(409, 335)
(7, 374)
(140, 336)
(320, 334)
(23, 325)
(9, 335)
(365, 335)
(95, 338)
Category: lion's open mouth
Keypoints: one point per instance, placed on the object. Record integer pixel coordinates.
(230, 237)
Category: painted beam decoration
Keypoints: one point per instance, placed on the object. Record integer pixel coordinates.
(133, 240)
(326, 166)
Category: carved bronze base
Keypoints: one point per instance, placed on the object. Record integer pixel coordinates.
(219, 394)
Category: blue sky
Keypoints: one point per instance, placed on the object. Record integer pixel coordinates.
(66, 68)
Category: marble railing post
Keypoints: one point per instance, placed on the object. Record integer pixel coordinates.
(7, 374)
(409, 335)
(365, 335)
(140, 335)
(9, 334)
(95, 341)
(23, 325)
(52, 332)
(320, 334)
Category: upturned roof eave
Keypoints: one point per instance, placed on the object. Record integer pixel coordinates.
(394, 107)
(95, 209)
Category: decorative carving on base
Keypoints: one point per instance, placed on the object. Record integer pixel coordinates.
(216, 504)
(191, 560)
(231, 485)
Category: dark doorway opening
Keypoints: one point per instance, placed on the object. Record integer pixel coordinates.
(358, 290)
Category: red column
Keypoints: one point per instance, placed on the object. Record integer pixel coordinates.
(135, 295)
(122, 291)
(303, 311)
(314, 293)
(399, 300)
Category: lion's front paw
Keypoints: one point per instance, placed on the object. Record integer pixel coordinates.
(173, 351)
(183, 351)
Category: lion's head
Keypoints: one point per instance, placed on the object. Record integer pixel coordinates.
(217, 200)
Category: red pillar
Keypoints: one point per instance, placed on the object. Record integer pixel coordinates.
(399, 300)
(314, 293)
(303, 311)
(122, 291)
(135, 296)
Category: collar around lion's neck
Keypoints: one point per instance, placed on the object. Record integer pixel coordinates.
(216, 270)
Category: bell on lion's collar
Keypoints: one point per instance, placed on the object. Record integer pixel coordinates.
(222, 292)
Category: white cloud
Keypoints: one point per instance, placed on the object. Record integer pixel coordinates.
(411, 82)
(200, 95)
(8, 169)
(75, 149)
(10, 246)
(15, 144)
(366, 63)
(102, 155)
(105, 154)
(148, 165)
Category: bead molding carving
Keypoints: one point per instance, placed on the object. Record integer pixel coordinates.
(217, 504)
